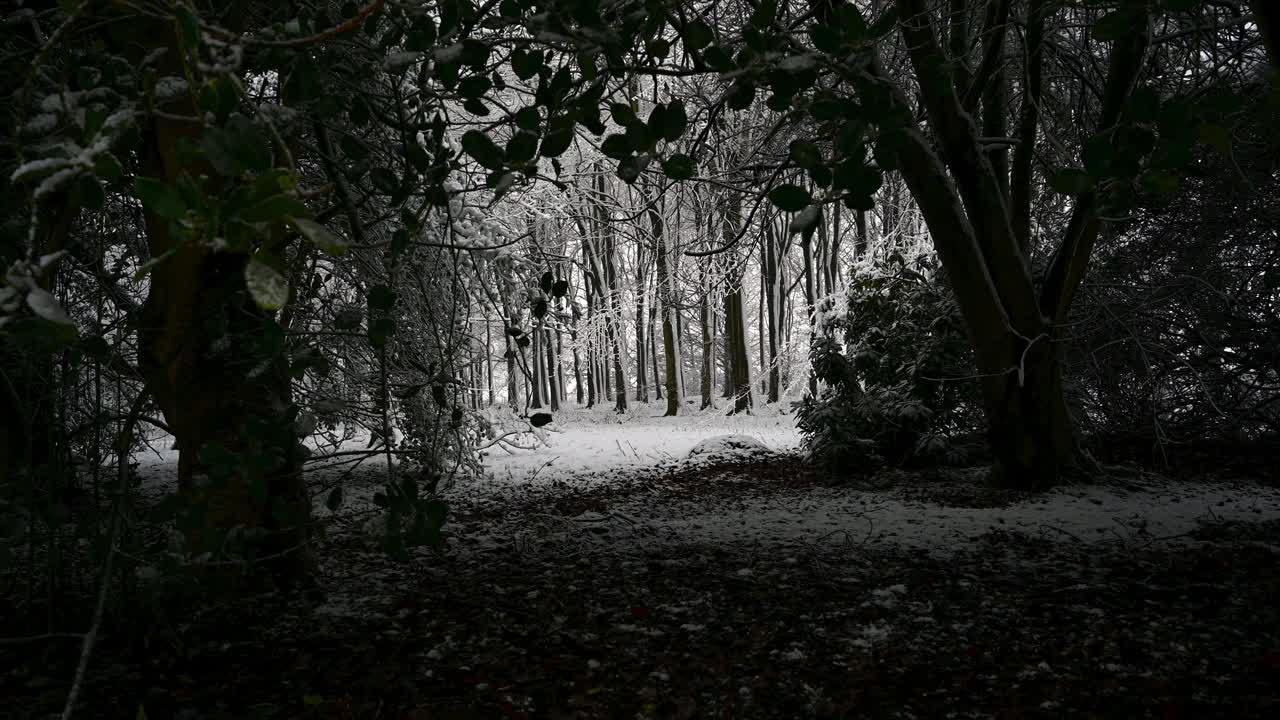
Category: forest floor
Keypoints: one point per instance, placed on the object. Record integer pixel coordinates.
(621, 580)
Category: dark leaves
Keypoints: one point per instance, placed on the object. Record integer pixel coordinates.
(790, 198)
(479, 146)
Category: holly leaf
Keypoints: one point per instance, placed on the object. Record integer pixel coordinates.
(266, 285)
(790, 198)
(697, 35)
(160, 197)
(319, 235)
(804, 153)
(274, 208)
(679, 167)
(381, 297)
(672, 122)
(556, 142)
(479, 146)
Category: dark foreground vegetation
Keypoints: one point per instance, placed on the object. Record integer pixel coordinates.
(521, 616)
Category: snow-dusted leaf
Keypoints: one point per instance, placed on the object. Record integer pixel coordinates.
(397, 61)
(37, 168)
(46, 306)
(798, 63)
(267, 286)
(319, 235)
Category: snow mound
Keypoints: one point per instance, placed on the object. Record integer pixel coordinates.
(729, 447)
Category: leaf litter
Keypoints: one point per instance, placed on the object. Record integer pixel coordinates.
(754, 586)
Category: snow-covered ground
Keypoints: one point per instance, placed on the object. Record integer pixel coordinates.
(1160, 513)
(596, 451)
(591, 451)
(600, 441)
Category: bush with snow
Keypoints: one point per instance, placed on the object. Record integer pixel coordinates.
(897, 371)
(729, 447)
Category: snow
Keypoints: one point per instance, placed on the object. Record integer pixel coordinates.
(590, 449)
(597, 450)
(724, 447)
(1085, 515)
(400, 60)
(598, 441)
(170, 87)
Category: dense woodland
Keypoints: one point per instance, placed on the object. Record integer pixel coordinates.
(1036, 237)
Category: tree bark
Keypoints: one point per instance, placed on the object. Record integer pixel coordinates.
(706, 387)
(642, 379)
(810, 303)
(535, 371)
(736, 340)
(1020, 181)
(1267, 15)
(653, 351)
(613, 315)
(210, 388)
(668, 309)
(769, 309)
(1014, 332)
(553, 361)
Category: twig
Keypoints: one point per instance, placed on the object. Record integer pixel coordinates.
(42, 638)
(122, 472)
(542, 467)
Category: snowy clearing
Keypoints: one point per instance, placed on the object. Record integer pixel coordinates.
(601, 441)
(613, 456)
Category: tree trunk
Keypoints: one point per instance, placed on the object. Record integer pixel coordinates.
(535, 372)
(860, 241)
(679, 332)
(642, 379)
(810, 307)
(209, 387)
(1267, 14)
(613, 315)
(488, 358)
(1014, 328)
(769, 308)
(553, 361)
(668, 310)
(708, 348)
(1020, 181)
(653, 351)
(1030, 426)
(739, 372)
(560, 381)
